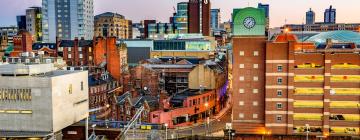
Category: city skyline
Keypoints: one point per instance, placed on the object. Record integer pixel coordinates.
(277, 8)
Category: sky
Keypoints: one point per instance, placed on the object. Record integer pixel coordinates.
(291, 11)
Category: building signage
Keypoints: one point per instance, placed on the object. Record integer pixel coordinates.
(15, 95)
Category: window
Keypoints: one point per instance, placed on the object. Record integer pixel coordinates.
(279, 105)
(255, 78)
(80, 49)
(242, 53)
(255, 116)
(241, 115)
(82, 85)
(279, 92)
(69, 55)
(278, 118)
(242, 78)
(255, 103)
(241, 103)
(255, 90)
(279, 68)
(80, 55)
(256, 53)
(279, 80)
(255, 66)
(241, 66)
(241, 90)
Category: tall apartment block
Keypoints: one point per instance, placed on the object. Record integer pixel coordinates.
(181, 18)
(67, 19)
(330, 15)
(34, 22)
(199, 16)
(215, 19)
(288, 89)
(310, 17)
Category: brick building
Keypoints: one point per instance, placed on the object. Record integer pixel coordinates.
(112, 25)
(199, 16)
(285, 88)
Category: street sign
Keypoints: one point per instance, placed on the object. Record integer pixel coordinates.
(228, 126)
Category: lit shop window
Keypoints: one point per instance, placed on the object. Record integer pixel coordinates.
(303, 129)
(345, 66)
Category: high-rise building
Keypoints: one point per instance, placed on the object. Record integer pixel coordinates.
(146, 27)
(215, 19)
(266, 8)
(34, 22)
(330, 15)
(199, 16)
(181, 18)
(21, 22)
(310, 17)
(67, 19)
(113, 25)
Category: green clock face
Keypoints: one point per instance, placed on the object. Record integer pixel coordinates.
(249, 22)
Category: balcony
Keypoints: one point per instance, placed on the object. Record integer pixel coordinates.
(344, 130)
(345, 78)
(309, 91)
(309, 66)
(344, 104)
(308, 104)
(345, 117)
(345, 91)
(309, 78)
(345, 66)
(308, 116)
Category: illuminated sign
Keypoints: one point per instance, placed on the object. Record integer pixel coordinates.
(15, 95)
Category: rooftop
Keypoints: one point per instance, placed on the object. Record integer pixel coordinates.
(336, 36)
(38, 70)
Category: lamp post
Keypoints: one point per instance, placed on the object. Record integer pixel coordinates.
(307, 131)
(206, 129)
(166, 129)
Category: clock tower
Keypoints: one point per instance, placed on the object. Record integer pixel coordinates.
(248, 83)
(249, 21)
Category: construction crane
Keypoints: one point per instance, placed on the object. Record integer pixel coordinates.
(131, 123)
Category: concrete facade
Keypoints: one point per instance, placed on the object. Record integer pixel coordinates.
(48, 102)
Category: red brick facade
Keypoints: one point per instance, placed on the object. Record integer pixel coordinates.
(199, 23)
(297, 85)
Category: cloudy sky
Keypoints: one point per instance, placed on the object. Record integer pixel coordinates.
(293, 11)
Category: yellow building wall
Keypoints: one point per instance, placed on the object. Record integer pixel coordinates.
(203, 76)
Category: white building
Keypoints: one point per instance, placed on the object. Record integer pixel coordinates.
(67, 19)
(37, 99)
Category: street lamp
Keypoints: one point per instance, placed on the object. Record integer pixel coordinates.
(307, 131)
(166, 127)
(206, 129)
